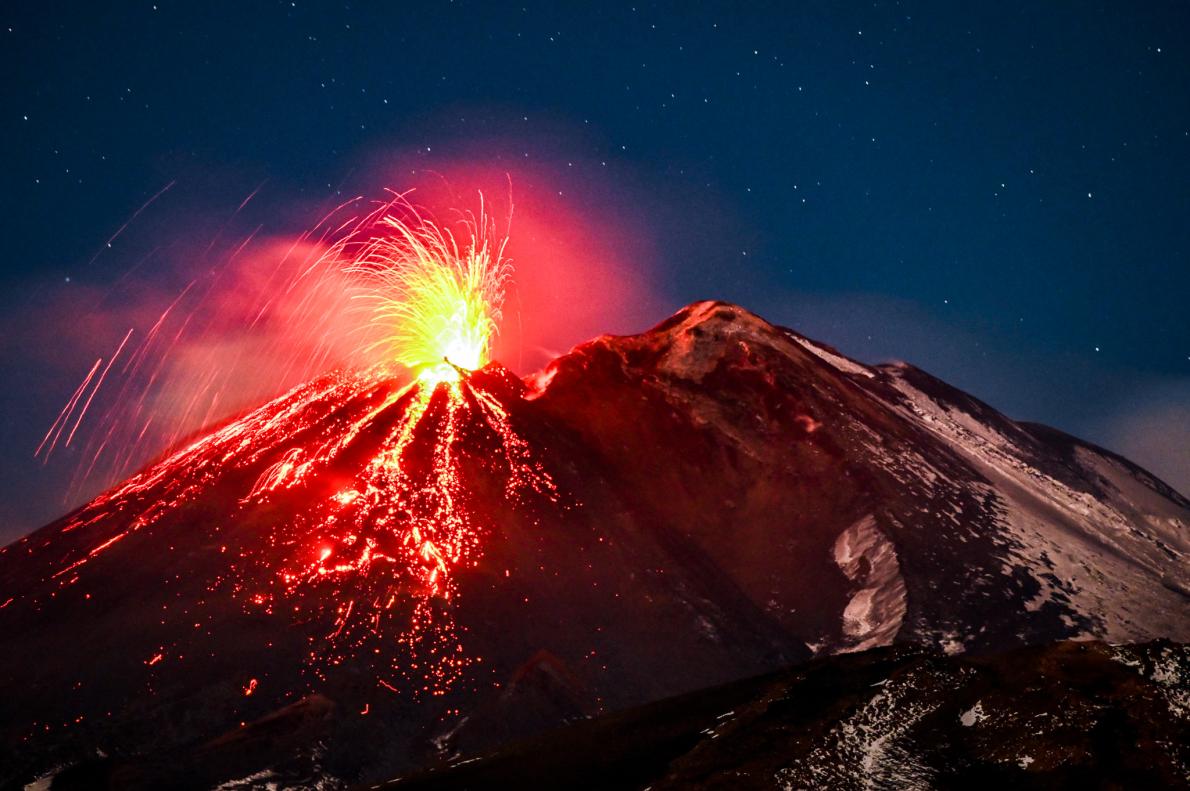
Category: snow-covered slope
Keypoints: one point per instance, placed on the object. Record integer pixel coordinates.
(951, 523)
(1099, 536)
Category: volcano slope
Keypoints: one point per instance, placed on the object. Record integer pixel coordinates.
(390, 576)
(1064, 715)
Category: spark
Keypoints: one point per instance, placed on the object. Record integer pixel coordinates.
(359, 485)
(370, 283)
(98, 384)
(130, 220)
(438, 302)
(64, 416)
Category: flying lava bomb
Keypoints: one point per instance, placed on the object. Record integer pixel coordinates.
(361, 504)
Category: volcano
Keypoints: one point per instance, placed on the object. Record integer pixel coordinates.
(369, 576)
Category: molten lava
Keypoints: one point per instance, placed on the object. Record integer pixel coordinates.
(437, 304)
(378, 555)
(357, 498)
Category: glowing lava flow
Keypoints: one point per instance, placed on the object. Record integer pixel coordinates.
(378, 555)
(356, 501)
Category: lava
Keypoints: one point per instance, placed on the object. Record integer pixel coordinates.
(388, 474)
(378, 556)
(437, 303)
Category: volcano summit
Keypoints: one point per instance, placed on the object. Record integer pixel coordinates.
(369, 576)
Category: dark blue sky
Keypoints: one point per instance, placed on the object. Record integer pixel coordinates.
(998, 195)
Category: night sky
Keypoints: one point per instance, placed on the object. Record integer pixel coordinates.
(1000, 196)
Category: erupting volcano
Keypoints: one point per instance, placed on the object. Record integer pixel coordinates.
(361, 501)
(400, 565)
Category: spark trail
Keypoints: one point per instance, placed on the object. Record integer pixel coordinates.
(354, 501)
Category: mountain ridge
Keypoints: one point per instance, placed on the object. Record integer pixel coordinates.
(728, 497)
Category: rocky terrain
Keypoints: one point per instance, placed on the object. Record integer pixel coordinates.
(712, 500)
(1066, 715)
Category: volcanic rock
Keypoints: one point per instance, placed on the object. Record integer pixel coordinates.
(710, 500)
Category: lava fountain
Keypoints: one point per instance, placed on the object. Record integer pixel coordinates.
(436, 304)
(354, 500)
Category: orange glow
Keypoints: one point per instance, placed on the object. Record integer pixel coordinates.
(241, 318)
(356, 484)
(435, 302)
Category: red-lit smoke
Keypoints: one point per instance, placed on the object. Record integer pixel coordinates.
(263, 312)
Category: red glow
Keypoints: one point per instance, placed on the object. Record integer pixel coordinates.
(386, 515)
(580, 258)
(253, 314)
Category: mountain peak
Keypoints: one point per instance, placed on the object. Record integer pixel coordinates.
(656, 513)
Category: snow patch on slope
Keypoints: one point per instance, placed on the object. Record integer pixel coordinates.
(264, 779)
(836, 361)
(875, 612)
(1168, 667)
(973, 716)
(868, 750)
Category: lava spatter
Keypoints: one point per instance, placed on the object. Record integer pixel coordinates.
(357, 509)
(352, 501)
(376, 558)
